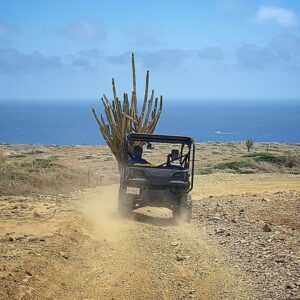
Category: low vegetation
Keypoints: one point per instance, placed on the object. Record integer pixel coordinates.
(249, 142)
(254, 163)
(38, 176)
(267, 157)
(26, 170)
(291, 161)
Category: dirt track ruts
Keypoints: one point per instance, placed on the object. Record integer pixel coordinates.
(89, 252)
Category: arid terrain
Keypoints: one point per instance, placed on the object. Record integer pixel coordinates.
(61, 236)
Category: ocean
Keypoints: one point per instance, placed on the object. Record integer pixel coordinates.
(66, 122)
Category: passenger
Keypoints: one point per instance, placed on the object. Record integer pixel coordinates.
(137, 156)
(174, 154)
(173, 157)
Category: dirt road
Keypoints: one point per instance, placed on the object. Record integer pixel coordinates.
(76, 247)
(152, 258)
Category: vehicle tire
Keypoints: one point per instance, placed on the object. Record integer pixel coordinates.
(182, 211)
(125, 204)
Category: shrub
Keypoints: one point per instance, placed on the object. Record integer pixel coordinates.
(291, 161)
(233, 165)
(249, 142)
(203, 171)
(43, 163)
(266, 157)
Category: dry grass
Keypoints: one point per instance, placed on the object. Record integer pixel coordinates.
(291, 161)
(26, 169)
(39, 176)
(257, 162)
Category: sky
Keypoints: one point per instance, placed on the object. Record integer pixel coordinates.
(218, 49)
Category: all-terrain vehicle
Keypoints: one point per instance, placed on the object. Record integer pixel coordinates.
(149, 181)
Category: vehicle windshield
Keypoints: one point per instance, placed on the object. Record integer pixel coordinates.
(164, 155)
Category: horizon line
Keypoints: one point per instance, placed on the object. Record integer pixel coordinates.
(166, 98)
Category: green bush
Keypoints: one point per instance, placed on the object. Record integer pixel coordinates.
(233, 165)
(43, 163)
(203, 171)
(266, 157)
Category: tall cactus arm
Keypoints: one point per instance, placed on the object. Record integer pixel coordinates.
(122, 118)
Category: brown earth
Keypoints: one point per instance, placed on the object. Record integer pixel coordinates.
(243, 243)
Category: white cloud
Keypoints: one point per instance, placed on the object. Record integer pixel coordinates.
(283, 16)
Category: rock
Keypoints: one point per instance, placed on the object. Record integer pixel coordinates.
(36, 215)
(9, 233)
(180, 257)
(215, 218)
(19, 237)
(267, 228)
(174, 243)
(220, 231)
(28, 234)
(290, 286)
(10, 239)
(64, 255)
(24, 205)
(16, 206)
(42, 239)
(32, 239)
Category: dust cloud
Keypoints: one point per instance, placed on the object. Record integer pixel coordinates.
(100, 209)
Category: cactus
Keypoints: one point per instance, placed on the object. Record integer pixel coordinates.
(123, 118)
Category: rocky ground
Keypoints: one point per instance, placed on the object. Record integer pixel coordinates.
(262, 236)
(243, 242)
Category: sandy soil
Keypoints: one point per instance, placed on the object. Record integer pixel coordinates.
(75, 246)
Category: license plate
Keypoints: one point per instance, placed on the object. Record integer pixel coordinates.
(133, 190)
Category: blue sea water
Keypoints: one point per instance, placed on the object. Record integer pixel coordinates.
(71, 122)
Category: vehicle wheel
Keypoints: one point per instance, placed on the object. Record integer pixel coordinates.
(183, 209)
(125, 204)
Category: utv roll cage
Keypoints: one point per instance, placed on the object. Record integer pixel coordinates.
(186, 160)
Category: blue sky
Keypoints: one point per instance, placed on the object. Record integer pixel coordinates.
(193, 49)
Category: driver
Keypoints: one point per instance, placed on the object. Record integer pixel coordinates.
(137, 156)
